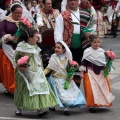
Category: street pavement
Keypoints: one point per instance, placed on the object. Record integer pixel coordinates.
(7, 107)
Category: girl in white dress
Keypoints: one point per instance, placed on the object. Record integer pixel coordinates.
(71, 97)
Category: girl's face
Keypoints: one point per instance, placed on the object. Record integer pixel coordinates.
(95, 44)
(41, 3)
(59, 49)
(33, 40)
(34, 3)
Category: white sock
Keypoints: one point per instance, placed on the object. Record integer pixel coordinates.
(18, 110)
(66, 109)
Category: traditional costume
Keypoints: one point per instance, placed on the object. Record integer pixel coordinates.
(69, 22)
(47, 20)
(102, 21)
(65, 97)
(88, 17)
(115, 17)
(26, 13)
(33, 91)
(96, 86)
(35, 10)
(7, 27)
(68, 27)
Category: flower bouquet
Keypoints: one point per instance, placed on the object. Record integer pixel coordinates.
(23, 61)
(24, 24)
(110, 56)
(71, 68)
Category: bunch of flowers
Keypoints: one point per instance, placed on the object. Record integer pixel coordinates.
(23, 61)
(71, 68)
(110, 56)
(24, 25)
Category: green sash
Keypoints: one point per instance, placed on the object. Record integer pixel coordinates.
(76, 41)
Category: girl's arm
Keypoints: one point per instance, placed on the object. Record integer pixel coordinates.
(82, 74)
(47, 70)
(82, 68)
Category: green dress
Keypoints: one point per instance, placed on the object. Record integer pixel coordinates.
(22, 97)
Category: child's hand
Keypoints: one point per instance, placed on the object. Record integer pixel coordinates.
(82, 74)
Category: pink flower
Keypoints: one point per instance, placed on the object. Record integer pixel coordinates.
(73, 63)
(110, 54)
(19, 62)
(27, 23)
(23, 19)
(22, 60)
(113, 55)
(30, 26)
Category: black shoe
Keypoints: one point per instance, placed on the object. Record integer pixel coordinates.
(52, 109)
(43, 114)
(18, 114)
(67, 113)
(109, 34)
(6, 92)
(114, 36)
(92, 110)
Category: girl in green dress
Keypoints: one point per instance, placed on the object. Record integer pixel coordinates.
(32, 89)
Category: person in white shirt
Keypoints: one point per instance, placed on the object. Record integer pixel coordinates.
(64, 5)
(35, 7)
(47, 15)
(115, 20)
(68, 27)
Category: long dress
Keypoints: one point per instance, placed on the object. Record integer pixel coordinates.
(72, 97)
(96, 87)
(6, 67)
(32, 89)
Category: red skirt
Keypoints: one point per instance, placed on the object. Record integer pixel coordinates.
(7, 73)
(89, 94)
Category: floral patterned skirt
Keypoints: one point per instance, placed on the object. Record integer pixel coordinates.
(35, 102)
(95, 92)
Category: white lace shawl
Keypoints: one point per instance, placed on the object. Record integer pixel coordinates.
(95, 56)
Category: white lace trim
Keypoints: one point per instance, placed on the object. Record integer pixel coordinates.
(3, 39)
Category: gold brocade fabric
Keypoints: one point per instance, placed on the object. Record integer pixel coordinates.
(49, 19)
(54, 73)
(68, 27)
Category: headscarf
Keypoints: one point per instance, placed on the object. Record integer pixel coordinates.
(26, 13)
(67, 53)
